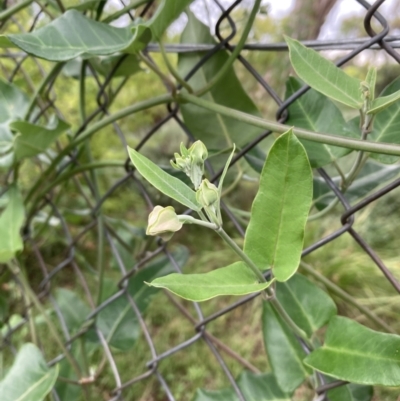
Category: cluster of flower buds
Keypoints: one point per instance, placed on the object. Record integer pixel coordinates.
(191, 162)
(163, 221)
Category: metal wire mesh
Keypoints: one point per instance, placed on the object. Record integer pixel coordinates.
(376, 40)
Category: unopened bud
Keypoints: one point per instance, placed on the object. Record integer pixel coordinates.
(207, 194)
(164, 222)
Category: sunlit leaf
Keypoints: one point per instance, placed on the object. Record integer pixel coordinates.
(165, 183)
(355, 353)
(11, 221)
(383, 102)
(322, 75)
(29, 379)
(315, 112)
(274, 236)
(235, 279)
(284, 351)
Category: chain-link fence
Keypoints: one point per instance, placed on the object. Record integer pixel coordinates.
(377, 41)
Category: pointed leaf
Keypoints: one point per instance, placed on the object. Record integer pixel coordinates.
(235, 279)
(274, 236)
(370, 79)
(29, 378)
(387, 124)
(34, 139)
(216, 131)
(315, 112)
(117, 321)
(322, 75)
(73, 35)
(383, 102)
(355, 353)
(228, 162)
(11, 221)
(284, 351)
(298, 295)
(168, 185)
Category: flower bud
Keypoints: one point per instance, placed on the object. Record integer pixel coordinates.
(207, 194)
(198, 151)
(164, 222)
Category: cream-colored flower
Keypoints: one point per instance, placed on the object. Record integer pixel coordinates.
(163, 222)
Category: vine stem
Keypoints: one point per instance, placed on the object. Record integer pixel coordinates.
(335, 140)
(272, 299)
(6, 14)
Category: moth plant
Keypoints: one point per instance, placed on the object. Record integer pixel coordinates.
(294, 308)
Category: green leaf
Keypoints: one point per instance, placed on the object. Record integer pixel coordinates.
(130, 65)
(117, 321)
(73, 35)
(254, 387)
(33, 139)
(274, 236)
(298, 297)
(167, 12)
(384, 102)
(285, 353)
(261, 387)
(351, 392)
(315, 112)
(216, 131)
(72, 308)
(372, 176)
(322, 75)
(235, 279)
(386, 124)
(225, 170)
(29, 378)
(11, 221)
(355, 353)
(165, 183)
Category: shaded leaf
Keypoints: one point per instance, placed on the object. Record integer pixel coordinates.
(298, 297)
(322, 75)
(29, 378)
(72, 308)
(235, 279)
(355, 353)
(254, 387)
(315, 112)
(386, 124)
(117, 321)
(285, 353)
(165, 183)
(372, 176)
(351, 392)
(33, 139)
(274, 236)
(216, 131)
(11, 221)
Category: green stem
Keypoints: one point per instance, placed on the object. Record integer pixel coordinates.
(124, 10)
(82, 92)
(241, 254)
(172, 70)
(14, 9)
(346, 297)
(46, 80)
(191, 220)
(238, 48)
(335, 140)
(146, 104)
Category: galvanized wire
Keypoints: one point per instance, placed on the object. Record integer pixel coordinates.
(376, 41)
